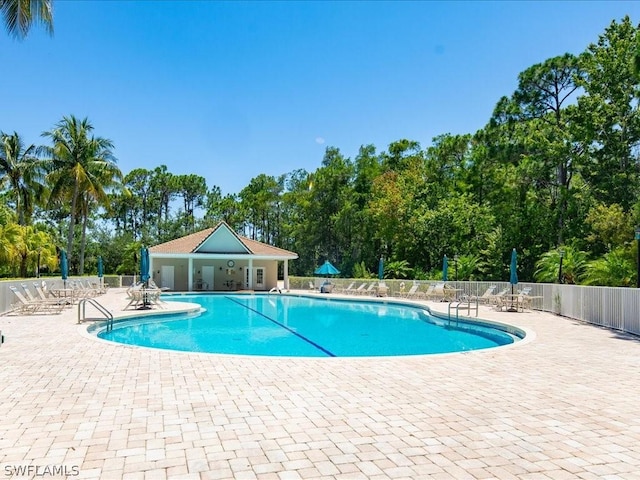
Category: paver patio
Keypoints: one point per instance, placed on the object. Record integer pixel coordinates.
(565, 405)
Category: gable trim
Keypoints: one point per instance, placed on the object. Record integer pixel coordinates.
(216, 231)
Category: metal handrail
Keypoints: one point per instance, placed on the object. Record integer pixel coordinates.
(82, 311)
(466, 304)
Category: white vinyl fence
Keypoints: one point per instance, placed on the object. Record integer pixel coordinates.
(611, 307)
(7, 297)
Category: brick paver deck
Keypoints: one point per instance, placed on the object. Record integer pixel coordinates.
(565, 405)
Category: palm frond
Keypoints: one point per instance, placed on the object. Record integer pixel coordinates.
(19, 16)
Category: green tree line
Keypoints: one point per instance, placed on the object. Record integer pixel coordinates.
(554, 173)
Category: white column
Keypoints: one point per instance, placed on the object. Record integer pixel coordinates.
(190, 275)
(151, 268)
(286, 275)
(250, 267)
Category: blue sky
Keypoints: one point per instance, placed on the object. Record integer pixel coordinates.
(230, 90)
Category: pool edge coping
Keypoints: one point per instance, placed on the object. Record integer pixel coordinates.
(525, 335)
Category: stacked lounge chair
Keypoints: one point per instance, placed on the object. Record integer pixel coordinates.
(32, 305)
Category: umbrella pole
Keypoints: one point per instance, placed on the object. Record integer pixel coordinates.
(145, 299)
(511, 309)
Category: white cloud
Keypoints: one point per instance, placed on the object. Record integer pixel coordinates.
(319, 140)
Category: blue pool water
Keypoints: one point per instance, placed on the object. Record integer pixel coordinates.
(280, 325)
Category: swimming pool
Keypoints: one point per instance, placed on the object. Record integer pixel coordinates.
(297, 326)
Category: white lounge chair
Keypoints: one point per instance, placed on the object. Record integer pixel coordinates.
(443, 293)
(485, 297)
(94, 289)
(411, 293)
(500, 299)
(101, 286)
(134, 293)
(381, 290)
(350, 289)
(370, 290)
(81, 290)
(40, 299)
(436, 292)
(21, 305)
(28, 293)
(39, 287)
(525, 291)
(139, 296)
(345, 290)
(153, 284)
(24, 305)
(525, 299)
(153, 297)
(359, 290)
(426, 294)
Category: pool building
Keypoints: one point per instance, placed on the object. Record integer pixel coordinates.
(218, 259)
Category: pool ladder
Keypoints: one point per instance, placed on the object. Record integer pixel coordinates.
(82, 311)
(465, 303)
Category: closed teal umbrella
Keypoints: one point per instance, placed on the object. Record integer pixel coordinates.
(144, 276)
(445, 269)
(100, 273)
(381, 268)
(144, 264)
(513, 278)
(514, 269)
(64, 267)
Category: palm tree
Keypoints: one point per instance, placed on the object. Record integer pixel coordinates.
(9, 235)
(397, 269)
(573, 266)
(91, 198)
(469, 266)
(614, 269)
(80, 166)
(20, 171)
(19, 15)
(33, 246)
